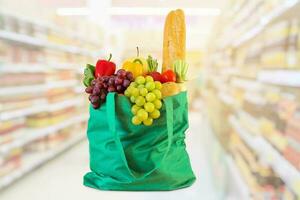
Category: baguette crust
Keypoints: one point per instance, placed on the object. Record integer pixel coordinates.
(174, 39)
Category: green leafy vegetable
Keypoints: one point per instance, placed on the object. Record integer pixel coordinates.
(180, 69)
(152, 64)
(89, 72)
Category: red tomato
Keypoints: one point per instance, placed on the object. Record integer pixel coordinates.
(168, 76)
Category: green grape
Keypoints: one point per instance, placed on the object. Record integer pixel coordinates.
(132, 99)
(148, 122)
(149, 107)
(149, 79)
(142, 114)
(140, 101)
(141, 86)
(135, 109)
(150, 86)
(140, 80)
(146, 95)
(143, 91)
(133, 84)
(136, 121)
(155, 114)
(158, 85)
(157, 93)
(129, 89)
(150, 97)
(127, 93)
(157, 103)
(135, 92)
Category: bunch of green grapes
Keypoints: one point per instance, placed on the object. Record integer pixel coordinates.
(145, 94)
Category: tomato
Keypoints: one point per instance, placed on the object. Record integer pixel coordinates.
(168, 76)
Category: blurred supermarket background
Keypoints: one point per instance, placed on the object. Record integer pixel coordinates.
(244, 89)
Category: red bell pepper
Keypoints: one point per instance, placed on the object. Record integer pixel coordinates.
(105, 67)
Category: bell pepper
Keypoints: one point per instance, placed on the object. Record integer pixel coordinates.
(105, 67)
(135, 67)
(88, 75)
(138, 65)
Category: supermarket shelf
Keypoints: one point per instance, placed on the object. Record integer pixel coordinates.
(251, 141)
(39, 160)
(279, 77)
(36, 88)
(34, 134)
(38, 68)
(36, 42)
(64, 66)
(290, 78)
(25, 18)
(7, 115)
(279, 12)
(20, 38)
(238, 189)
(248, 84)
(64, 104)
(241, 187)
(227, 99)
(16, 68)
(39, 108)
(45, 25)
(69, 49)
(287, 172)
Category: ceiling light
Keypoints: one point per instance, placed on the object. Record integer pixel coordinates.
(141, 11)
(162, 11)
(73, 11)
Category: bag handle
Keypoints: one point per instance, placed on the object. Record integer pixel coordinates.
(111, 115)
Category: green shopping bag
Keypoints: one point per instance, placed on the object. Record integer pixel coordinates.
(128, 157)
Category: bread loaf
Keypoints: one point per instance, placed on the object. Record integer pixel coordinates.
(174, 39)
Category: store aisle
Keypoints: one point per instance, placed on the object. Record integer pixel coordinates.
(62, 177)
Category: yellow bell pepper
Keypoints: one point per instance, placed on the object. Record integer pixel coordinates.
(142, 60)
(135, 67)
(138, 65)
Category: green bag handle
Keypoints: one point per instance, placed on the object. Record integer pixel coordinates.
(111, 115)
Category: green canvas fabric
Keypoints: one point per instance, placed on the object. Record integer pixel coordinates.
(140, 158)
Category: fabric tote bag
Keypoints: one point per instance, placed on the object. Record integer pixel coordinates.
(138, 158)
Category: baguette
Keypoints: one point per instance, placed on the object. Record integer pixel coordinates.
(174, 39)
(166, 41)
(181, 35)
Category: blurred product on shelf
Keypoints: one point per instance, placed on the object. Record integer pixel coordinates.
(10, 162)
(259, 177)
(14, 79)
(9, 130)
(47, 119)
